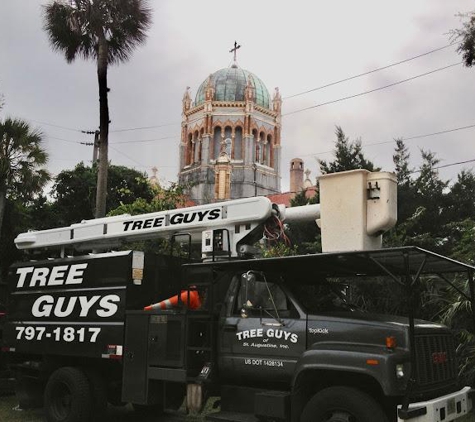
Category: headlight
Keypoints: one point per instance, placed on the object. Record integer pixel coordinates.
(400, 371)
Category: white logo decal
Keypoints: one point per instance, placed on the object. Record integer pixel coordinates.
(270, 333)
(61, 307)
(54, 276)
(318, 330)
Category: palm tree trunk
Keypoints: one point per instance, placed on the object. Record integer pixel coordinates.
(2, 207)
(103, 129)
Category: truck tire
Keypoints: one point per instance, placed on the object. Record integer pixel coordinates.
(342, 404)
(68, 396)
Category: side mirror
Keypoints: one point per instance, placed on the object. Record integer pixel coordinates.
(248, 282)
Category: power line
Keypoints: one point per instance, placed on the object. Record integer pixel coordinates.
(146, 127)
(144, 140)
(285, 98)
(425, 136)
(372, 90)
(114, 143)
(128, 156)
(447, 165)
(368, 73)
(442, 132)
(57, 126)
(66, 140)
(89, 132)
(132, 159)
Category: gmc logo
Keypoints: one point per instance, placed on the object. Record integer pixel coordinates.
(439, 358)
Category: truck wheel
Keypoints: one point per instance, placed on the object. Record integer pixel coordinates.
(342, 404)
(68, 396)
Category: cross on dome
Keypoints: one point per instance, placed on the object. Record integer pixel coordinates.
(234, 50)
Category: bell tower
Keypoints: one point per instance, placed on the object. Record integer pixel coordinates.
(230, 137)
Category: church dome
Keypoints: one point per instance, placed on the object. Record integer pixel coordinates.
(229, 85)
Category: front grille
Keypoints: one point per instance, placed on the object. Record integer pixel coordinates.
(436, 362)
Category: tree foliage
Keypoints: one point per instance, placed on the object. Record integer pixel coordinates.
(22, 158)
(427, 221)
(305, 235)
(162, 199)
(74, 191)
(466, 37)
(406, 194)
(348, 156)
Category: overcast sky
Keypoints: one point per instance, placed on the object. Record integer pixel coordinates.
(294, 45)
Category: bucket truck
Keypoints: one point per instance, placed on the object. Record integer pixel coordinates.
(274, 339)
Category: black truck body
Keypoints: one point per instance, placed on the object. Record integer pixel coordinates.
(267, 339)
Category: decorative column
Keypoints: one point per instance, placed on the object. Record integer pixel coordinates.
(223, 170)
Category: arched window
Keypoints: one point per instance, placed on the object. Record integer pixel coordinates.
(228, 146)
(261, 149)
(238, 153)
(200, 145)
(216, 142)
(196, 146)
(228, 133)
(255, 137)
(189, 150)
(269, 151)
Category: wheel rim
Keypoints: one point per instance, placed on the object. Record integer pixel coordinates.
(61, 401)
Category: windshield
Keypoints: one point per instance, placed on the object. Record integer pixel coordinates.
(322, 296)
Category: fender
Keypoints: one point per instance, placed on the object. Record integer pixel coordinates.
(371, 360)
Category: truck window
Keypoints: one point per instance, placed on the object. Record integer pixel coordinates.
(258, 294)
(320, 296)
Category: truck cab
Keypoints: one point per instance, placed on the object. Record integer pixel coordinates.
(287, 335)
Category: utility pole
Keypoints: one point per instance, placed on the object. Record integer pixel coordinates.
(95, 152)
(95, 145)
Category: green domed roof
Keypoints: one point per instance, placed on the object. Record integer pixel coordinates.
(229, 85)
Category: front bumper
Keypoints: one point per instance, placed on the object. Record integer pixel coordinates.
(441, 409)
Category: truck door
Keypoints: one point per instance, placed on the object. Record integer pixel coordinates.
(261, 333)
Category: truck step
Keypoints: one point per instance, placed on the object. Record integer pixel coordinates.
(231, 417)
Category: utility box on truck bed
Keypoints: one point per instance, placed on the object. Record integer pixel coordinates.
(154, 350)
(76, 306)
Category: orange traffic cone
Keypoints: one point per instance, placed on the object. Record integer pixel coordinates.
(191, 299)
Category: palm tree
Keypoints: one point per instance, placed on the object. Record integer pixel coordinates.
(106, 31)
(21, 158)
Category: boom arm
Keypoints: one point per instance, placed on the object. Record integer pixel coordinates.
(239, 217)
(357, 207)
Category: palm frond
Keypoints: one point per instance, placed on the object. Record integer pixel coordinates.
(76, 28)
